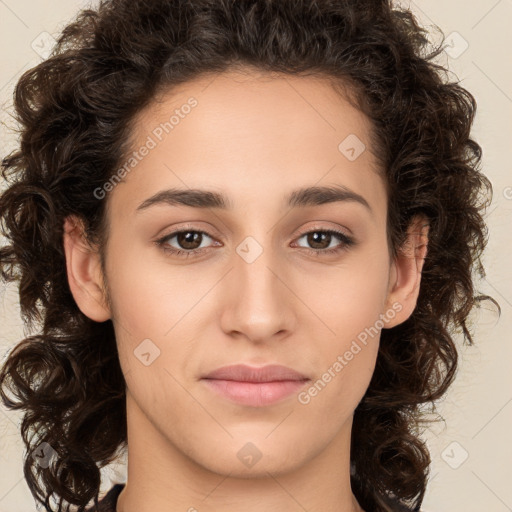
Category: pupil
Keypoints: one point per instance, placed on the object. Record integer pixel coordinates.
(188, 240)
(313, 239)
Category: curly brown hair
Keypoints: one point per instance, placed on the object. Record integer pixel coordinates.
(75, 111)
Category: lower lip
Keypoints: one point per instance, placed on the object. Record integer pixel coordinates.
(255, 394)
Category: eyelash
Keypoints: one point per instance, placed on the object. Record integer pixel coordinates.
(345, 239)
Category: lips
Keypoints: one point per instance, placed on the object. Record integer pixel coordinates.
(245, 373)
(255, 387)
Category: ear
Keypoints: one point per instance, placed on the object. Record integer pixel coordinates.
(405, 272)
(84, 272)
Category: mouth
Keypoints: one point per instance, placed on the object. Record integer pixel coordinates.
(255, 387)
(255, 394)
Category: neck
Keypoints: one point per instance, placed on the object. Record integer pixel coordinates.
(162, 478)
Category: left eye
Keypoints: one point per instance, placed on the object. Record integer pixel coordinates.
(318, 237)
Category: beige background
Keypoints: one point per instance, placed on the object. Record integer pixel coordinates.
(471, 450)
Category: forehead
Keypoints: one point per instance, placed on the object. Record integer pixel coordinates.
(250, 135)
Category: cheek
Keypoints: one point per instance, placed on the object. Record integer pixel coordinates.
(347, 301)
(138, 301)
(149, 296)
(348, 297)
(156, 307)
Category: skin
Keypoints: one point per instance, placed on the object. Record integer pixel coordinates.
(254, 137)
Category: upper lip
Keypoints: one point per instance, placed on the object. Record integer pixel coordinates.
(245, 373)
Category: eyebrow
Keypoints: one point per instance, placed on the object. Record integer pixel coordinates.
(309, 196)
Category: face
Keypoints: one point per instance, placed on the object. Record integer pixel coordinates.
(271, 276)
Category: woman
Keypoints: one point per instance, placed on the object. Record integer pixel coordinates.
(248, 230)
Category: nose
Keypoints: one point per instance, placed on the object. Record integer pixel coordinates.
(259, 302)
